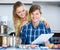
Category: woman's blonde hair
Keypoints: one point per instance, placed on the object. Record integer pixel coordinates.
(16, 18)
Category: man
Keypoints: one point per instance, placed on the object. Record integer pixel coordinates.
(35, 27)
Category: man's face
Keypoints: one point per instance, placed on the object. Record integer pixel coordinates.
(35, 16)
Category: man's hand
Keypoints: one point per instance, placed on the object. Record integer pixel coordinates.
(32, 46)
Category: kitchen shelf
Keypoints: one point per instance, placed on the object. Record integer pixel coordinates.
(13, 3)
(48, 3)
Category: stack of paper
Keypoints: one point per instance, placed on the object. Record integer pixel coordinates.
(42, 38)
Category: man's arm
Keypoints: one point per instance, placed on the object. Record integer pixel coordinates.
(23, 35)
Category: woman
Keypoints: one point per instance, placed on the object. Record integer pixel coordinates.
(21, 17)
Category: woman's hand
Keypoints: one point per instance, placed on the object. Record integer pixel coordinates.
(46, 24)
(19, 41)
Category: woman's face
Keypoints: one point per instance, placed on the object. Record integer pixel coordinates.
(21, 12)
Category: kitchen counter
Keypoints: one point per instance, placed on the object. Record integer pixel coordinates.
(37, 48)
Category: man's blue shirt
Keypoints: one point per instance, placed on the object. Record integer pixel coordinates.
(29, 33)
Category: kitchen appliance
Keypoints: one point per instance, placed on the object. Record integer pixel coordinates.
(9, 41)
(3, 24)
(3, 29)
(56, 38)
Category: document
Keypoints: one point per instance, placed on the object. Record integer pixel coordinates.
(42, 38)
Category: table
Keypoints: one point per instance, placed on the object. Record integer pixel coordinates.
(37, 48)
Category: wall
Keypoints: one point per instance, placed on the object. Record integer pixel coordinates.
(50, 12)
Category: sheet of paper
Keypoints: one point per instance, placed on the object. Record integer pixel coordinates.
(42, 38)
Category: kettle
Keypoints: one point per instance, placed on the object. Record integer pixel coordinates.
(12, 39)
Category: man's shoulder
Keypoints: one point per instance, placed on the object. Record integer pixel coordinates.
(41, 22)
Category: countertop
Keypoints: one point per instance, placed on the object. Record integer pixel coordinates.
(37, 48)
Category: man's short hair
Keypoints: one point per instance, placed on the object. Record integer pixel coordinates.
(35, 7)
